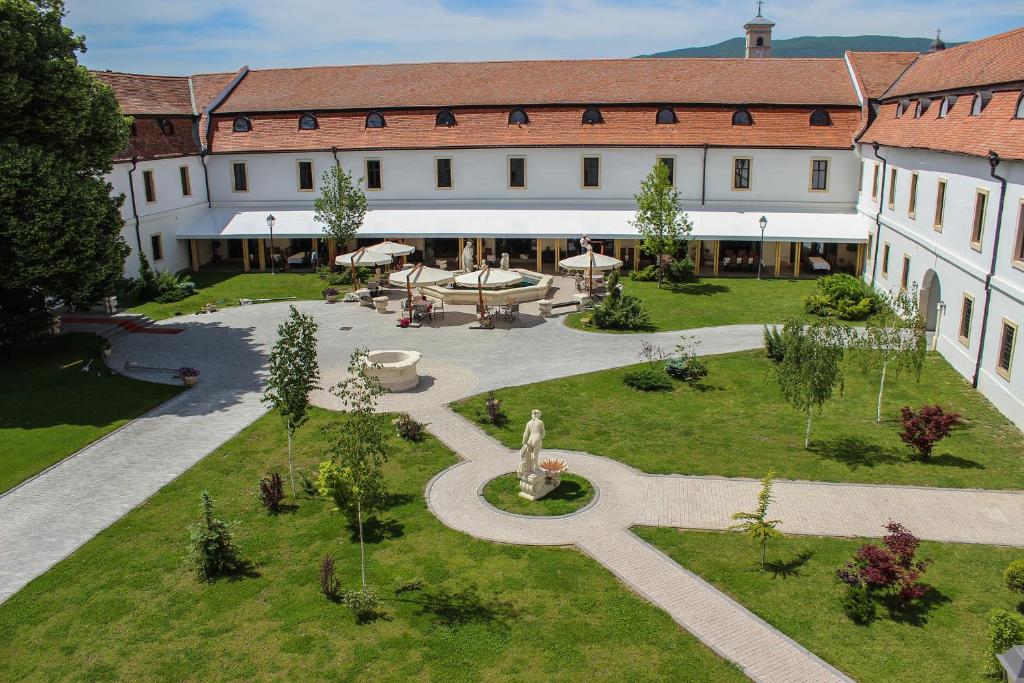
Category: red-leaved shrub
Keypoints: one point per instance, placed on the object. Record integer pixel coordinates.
(891, 568)
(925, 427)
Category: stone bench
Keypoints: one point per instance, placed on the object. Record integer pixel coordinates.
(547, 306)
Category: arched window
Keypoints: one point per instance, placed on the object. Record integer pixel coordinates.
(592, 115)
(166, 126)
(742, 117)
(375, 120)
(308, 122)
(241, 125)
(947, 104)
(518, 117)
(820, 117)
(445, 118)
(980, 102)
(666, 115)
(1019, 113)
(760, 41)
(921, 107)
(901, 108)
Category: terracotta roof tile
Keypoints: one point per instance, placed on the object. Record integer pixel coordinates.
(150, 142)
(989, 61)
(155, 95)
(876, 71)
(549, 126)
(612, 81)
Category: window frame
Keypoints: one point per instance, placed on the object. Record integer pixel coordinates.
(366, 121)
(1017, 255)
(149, 185)
(874, 181)
(442, 113)
(366, 174)
(308, 115)
(740, 112)
(437, 173)
(520, 110)
(508, 172)
(905, 274)
(671, 167)
(939, 219)
(891, 199)
(750, 174)
(965, 340)
(583, 171)
(1001, 371)
(860, 179)
(592, 110)
(912, 196)
(828, 168)
(978, 222)
(241, 119)
(157, 239)
(185, 178)
(886, 253)
(823, 112)
(671, 111)
(298, 175)
(234, 176)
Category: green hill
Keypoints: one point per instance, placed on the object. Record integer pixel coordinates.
(808, 46)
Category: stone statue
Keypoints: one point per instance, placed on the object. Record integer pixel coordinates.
(504, 261)
(533, 441)
(467, 258)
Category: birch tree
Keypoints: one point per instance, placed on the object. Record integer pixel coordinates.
(294, 372)
(660, 218)
(893, 340)
(811, 368)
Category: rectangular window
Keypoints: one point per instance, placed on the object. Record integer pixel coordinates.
(874, 182)
(517, 172)
(978, 224)
(156, 244)
(819, 175)
(1007, 345)
(239, 177)
(443, 173)
(940, 205)
(149, 186)
(966, 317)
(905, 275)
(741, 173)
(885, 260)
(305, 173)
(186, 181)
(374, 178)
(871, 243)
(892, 188)
(860, 178)
(670, 163)
(591, 172)
(912, 200)
(1018, 246)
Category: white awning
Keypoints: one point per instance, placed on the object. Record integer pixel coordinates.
(534, 223)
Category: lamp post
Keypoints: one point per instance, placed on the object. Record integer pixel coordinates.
(270, 224)
(760, 256)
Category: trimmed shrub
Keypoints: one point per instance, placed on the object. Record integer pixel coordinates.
(1005, 629)
(689, 369)
(363, 603)
(495, 413)
(1014, 576)
(774, 344)
(408, 428)
(858, 605)
(271, 491)
(618, 311)
(211, 549)
(842, 296)
(679, 270)
(924, 428)
(329, 584)
(647, 378)
(647, 274)
(891, 569)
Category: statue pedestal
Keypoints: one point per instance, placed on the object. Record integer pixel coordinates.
(536, 485)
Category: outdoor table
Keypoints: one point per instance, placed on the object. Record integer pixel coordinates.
(818, 263)
(297, 258)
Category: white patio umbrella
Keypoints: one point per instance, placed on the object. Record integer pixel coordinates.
(590, 262)
(421, 276)
(361, 257)
(392, 248)
(490, 278)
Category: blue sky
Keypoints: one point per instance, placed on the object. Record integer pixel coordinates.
(180, 37)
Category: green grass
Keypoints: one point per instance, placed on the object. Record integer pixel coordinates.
(799, 595)
(125, 606)
(715, 301)
(740, 426)
(572, 494)
(225, 289)
(49, 408)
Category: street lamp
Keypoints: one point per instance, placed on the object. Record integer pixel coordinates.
(270, 224)
(760, 256)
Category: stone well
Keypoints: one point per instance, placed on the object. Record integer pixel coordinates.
(397, 369)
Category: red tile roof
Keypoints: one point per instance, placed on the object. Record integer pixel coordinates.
(876, 71)
(989, 61)
(549, 126)
(208, 86)
(611, 81)
(150, 142)
(995, 129)
(155, 95)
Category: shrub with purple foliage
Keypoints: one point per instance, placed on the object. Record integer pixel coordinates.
(891, 570)
(272, 492)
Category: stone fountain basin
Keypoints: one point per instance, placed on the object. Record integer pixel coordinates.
(397, 369)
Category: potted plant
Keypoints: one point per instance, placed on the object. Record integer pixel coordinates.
(553, 470)
(188, 375)
(404, 322)
(331, 294)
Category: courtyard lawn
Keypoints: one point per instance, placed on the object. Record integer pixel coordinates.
(49, 408)
(225, 289)
(572, 494)
(739, 425)
(715, 301)
(799, 594)
(126, 607)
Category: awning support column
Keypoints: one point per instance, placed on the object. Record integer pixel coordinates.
(540, 256)
(859, 269)
(778, 258)
(796, 260)
(636, 254)
(696, 257)
(263, 256)
(714, 252)
(480, 251)
(193, 251)
(245, 255)
(618, 250)
(558, 254)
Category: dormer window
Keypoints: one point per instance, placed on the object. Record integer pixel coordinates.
(375, 120)
(742, 117)
(666, 116)
(947, 104)
(592, 116)
(921, 107)
(901, 108)
(1019, 113)
(820, 117)
(308, 122)
(166, 126)
(445, 118)
(980, 102)
(241, 125)
(518, 117)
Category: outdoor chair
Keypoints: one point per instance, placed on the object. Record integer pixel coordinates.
(422, 311)
(437, 308)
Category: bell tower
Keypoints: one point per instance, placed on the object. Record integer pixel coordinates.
(759, 35)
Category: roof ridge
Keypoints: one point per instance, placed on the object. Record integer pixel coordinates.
(129, 73)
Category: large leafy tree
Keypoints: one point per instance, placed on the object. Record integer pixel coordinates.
(59, 131)
(341, 206)
(660, 218)
(294, 372)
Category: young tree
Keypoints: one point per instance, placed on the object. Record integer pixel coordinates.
(925, 427)
(810, 369)
(894, 340)
(211, 549)
(756, 524)
(341, 206)
(60, 228)
(357, 449)
(294, 372)
(660, 218)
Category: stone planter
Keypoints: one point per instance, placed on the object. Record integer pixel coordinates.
(381, 304)
(331, 298)
(397, 369)
(190, 381)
